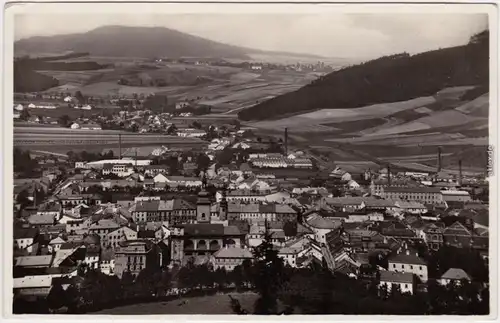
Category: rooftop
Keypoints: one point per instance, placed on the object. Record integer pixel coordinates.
(455, 273)
(233, 252)
(394, 277)
(34, 261)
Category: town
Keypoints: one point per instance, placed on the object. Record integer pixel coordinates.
(321, 162)
(154, 221)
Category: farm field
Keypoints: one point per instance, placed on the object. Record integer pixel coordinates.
(224, 88)
(209, 305)
(404, 133)
(53, 138)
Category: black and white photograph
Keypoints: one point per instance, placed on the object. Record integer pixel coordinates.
(250, 159)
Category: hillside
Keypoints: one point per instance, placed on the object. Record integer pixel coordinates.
(388, 79)
(145, 42)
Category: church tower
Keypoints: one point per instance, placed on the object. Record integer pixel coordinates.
(223, 207)
(203, 204)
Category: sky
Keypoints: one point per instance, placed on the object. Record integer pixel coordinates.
(330, 35)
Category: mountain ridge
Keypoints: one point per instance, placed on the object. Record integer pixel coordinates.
(147, 42)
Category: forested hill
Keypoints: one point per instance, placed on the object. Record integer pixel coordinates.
(387, 79)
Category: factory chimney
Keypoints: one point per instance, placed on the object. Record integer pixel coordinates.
(439, 160)
(120, 146)
(286, 141)
(460, 172)
(388, 174)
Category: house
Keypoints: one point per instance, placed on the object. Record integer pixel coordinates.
(390, 279)
(90, 126)
(202, 239)
(114, 238)
(134, 256)
(433, 236)
(408, 261)
(430, 195)
(102, 227)
(107, 263)
(92, 255)
(456, 196)
(55, 244)
(43, 261)
(153, 170)
(24, 238)
(44, 220)
(455, 275)
(321, 226)
(230, 257)
(33, 285)
(411, 207)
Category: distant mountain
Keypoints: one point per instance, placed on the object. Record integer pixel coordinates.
(148, 42)
(388, 79)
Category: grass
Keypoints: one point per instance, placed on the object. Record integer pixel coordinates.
(208, 305)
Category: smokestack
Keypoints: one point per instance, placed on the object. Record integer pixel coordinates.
(286, 141)
(388, 174)
(120, 146)
(460, 172)
(439, 159)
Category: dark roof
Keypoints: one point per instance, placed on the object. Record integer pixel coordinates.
(145, 234)
(202, 229)
(147, 206)
(403, 258)
(413, 189)
(181, 204)
(391, 276)
(25, 233)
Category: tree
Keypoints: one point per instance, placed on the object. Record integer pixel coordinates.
(269, 276)
(203, 161)
(79, 97)
(56, 297)
(290, 228)
(24, 115)
(172, 129)
(64, 120)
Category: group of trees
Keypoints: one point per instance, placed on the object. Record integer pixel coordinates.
(88, 156)
(24, 164)
(384, 80)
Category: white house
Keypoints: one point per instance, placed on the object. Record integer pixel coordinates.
(408, 261)
(320, 226)
(55, 244)
(389, 279)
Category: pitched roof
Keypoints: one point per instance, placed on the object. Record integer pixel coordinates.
(403, 258)
(38, 261)
(181, 204)
(319, 222)
(455, 273)
(233, 252)
(25, 233)
(41, 219)
(391, 276)
(231, 230)
(413, 189)
(147, 206)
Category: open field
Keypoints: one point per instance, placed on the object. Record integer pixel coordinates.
(209, 305)
(311, 120)
(52, 139)
(226, 89)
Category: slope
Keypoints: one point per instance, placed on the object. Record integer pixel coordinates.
(388, 79)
